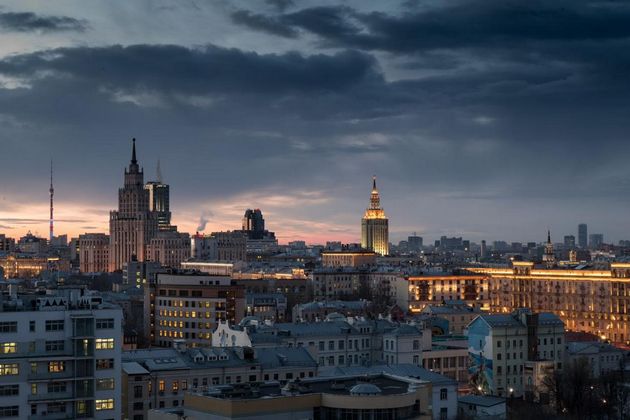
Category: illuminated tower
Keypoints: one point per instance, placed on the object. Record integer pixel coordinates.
(374, 225)
(549, 258)
(52, 192)
(133, 225)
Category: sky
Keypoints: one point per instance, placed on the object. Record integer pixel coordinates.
(485, 119)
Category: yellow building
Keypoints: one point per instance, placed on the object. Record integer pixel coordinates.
(593, 301)
(374, 225)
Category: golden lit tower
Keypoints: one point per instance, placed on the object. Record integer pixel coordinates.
(374, 225)
(549, 257)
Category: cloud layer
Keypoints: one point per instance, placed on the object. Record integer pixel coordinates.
(497, 119)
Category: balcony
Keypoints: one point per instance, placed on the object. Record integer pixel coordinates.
(53, 396)
(51, 416)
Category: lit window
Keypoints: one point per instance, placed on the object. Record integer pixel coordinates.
(107, 404)
(104, 343)
(9, 369)
(8, 348)
(58, 366)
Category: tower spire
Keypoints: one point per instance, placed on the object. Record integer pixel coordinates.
(52, 192)
(548, 236)
(374, 182)
(133, 152)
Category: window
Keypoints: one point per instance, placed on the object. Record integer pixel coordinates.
(8, 327)
(137, 391)
(185, 385)
(443, 394)
(56, 407)
(416, 344)
(107, 404)
(498, 356)
(443, 413)
(31, 326)
(8, 348)
(104, 343)
(138, 406)
(161, 385)
(57, 366)
(105, 324)
(54, 325)
(54, 387)
(104, 364)
(340, 345)
(321, 346)
(9, 369)
(104, 383)
(175, 387)
(331, 345)
(55, 345)
(499, 343)
(416, 360)
(8, 390)
(10, 411)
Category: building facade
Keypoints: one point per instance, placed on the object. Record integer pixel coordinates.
(60, 357)
(93, 253)
(169, 248)
(160, 378)
(375, 225)
(348, 258)
(189, 307)
(133, 225)
(504, 347)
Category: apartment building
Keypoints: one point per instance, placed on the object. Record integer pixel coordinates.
(504, 346)
(338, 342)
(59, 356)
(189, 305)
(159, 378)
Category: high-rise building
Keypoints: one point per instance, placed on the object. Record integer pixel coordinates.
(582, 235)
(159, 203)
(61, 356)
(414, 242)
(132, 226)
(254, 223)
(93, 253)
(569, 241)
(549, 257)
(374, 225)
(595, 240)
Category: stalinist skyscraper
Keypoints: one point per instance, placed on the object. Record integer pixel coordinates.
(374, 225)
(133, 225)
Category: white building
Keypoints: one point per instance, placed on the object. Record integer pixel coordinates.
(60, 356)
(502, 346)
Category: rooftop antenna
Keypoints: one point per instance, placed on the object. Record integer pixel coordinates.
(52, 192)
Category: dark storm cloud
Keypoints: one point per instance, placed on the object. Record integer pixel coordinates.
(465, 24)
(28, 21)
(263, 23)
(209, 69)
(281, 5)
(467, 111)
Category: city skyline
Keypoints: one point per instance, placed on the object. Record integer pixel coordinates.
(293, 107)
(204, 220)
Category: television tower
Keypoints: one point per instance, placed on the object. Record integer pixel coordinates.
(52, 192)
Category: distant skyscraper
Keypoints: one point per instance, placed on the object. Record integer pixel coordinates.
(595, 240)
(414, 242)
(549, 258)
(374, 225)
(159, 200)
(582, 235)
(569, 241)
(484, 249)
(132, 226)
(254, 223)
